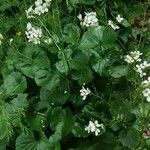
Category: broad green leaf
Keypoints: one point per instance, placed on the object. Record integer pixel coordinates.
(64, 117)
(5, 123)
(84, 75)
(79, 60)
(71, 33)
(15, 83)
(57, 95)
(47, 79)
(79, 130)
(62, 66)
(91, 38)
(118, 71)
(130, 139)
(36, 122)
(32, 141)
(3, 144)
(29, 60)
(94, 37)
(101, 65)
(16, 109)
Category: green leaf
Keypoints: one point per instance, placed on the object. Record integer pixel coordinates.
(91, 38)
(3, 144)
(86, 2)
(84, 75)
(118, 71)
(96, 36)
(47, 79)
(78, 130)
(30, 60)
(130, 139)
(71, 33)
(5, 123)
(79, 60)
(101, 65)
(32, 141)
(36, 122)
(125, 23)
(16, 109)
(15, 83)
(63, 116)
(62, 66)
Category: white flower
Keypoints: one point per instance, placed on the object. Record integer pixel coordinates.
(146, 94)
(10, 41)
(1, 38)
(94, 127)
(90, 19)
(133, 57)
(146, 83)
(113, 25)
(119, 18)
(40, 7)
(84, 92)
(79, 17)
(30, 12)
(141, 67)
(33, 34)
(48, 41)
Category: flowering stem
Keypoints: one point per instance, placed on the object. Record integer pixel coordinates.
(64, 56)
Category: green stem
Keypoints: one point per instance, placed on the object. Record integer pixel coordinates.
(64, 56)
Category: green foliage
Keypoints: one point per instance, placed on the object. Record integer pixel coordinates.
(41, 107)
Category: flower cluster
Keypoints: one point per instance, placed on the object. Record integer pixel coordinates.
(113, 25)
(48, 41)
(1, 38)
(119, 18)
(133, 57)
(146, 83)
(84, 92)
(90, 19)
(146, 94)
(33, 34)
(146, 133)
(141, 67)
(41, 7)
(94, 127)
(146, 91)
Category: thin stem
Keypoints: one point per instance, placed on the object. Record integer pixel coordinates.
(144, 18)
(64, 56)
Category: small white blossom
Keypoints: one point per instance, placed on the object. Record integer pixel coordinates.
(113, 25)
(141, 67)
(30, 12)
(1, 38)
(10, 41)
(40, 7)
(90, 19)
(119, 18)
(146, 94)
(84, 92)
(48, 41)
(65, 92)
(133, 57)
(94, 127)
(79, 17)
(146, 83)
(33, 34)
